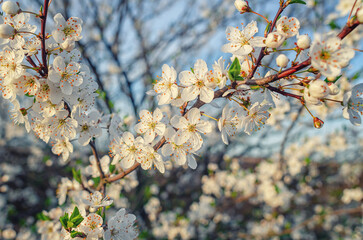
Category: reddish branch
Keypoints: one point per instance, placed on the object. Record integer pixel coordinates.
(262, 52)
(349, 27)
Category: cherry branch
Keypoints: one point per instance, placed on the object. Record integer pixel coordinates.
(262, 52)
(43, 19)
(348, 28)
(98, 162)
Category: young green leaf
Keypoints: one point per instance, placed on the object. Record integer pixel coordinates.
(77, 175)
(64, 220)
(235, 70)
(75, 213)
(43, 217)
(77, 220)
(75, 234)
(297, 1)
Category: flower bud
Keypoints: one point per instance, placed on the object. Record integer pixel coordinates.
(274, 40)
(318, 123)
(241, 6)
(6, 31)
(333, 88)
(360, 14)
(319, 89)
(303, 41)
(282, 60)
(10, 8)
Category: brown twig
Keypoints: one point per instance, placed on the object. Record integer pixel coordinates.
(43, 19)
(262, 52)
(98, 162)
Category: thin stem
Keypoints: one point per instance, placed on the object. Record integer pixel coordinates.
(269, 67)
(308, 110)
(37, 15)
(351, 11)
(261, 16)
(210, 117)
(29, 33)
(333, 100)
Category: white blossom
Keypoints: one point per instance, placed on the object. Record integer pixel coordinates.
(242, 42)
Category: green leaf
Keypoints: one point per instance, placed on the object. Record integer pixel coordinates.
(277, 189)
(110, 103)
(75, 213)
(27, 95)
(297, 1)
(70, 225)
(112, 168)
(43, 217)
(77, 220)
(77, 175)
(75, 234)
(356, 76)
(64, 220)
(333, 25)
(96, 181)
(101, 94)
(235, 70)
(307, 160)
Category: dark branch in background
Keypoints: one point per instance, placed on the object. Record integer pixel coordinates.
(129, 93)
(283, 143)
(113, 51)
(97, 75)
(95, 154)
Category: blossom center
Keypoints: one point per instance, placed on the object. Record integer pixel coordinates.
(68, 31)
(192, 127)
(325, 55)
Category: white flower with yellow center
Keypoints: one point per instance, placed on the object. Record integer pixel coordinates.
(150, 125)
(67, 76)
(150, 157)
(189, 128)
(288, 27)
(92, 225)
(256, 117)
(328, 56)
(67, 30)
(96, 200)
(228, 123)
(196, 83)
(179, 153)
(242, 42)
(166, 87)
(127, 149)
